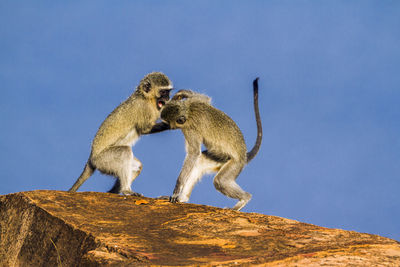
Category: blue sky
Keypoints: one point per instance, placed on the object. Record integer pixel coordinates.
(329, 98)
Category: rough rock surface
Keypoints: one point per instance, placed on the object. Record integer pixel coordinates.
(53, 228)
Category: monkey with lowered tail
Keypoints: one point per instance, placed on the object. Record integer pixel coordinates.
(111, 151)
(226, 153)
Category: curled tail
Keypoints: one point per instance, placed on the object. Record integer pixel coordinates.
(253, 152)
(87, 172)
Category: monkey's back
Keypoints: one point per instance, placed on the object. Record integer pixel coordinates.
(120, 126)
(221, 135)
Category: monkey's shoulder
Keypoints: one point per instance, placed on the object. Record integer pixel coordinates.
(131, 111)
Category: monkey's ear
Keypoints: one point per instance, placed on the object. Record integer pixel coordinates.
(181, 120)
(147, 87)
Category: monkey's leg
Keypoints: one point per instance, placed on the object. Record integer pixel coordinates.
(184, 176)
(117, 161)
(186, 187)
(225, 183)
(189, 172)
(126, 182)
(137, 167)
(202, 166)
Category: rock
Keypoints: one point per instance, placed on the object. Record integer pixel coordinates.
(54, 228)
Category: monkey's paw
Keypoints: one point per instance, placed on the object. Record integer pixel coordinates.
(173, 199)
(130, 193)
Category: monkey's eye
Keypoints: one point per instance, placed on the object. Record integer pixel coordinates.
(181, 120)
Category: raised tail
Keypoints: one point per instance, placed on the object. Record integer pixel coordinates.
(87, 172)
(253, 152)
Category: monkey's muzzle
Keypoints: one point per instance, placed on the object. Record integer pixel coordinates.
(164, 97)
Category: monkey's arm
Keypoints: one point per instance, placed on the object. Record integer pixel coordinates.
(159, 127)
(193, 147)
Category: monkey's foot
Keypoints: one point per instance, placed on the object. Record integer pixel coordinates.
(130, 193)
(241, 203)
(173, 199)
(178, 198)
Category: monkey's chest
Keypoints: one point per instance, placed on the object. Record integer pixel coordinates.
(129, 139)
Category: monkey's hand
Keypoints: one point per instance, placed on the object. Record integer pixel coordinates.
(159, 127)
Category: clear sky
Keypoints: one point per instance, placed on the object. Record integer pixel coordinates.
(329, 98)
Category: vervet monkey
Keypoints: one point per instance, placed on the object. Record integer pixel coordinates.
(112, 146)
(226, 152)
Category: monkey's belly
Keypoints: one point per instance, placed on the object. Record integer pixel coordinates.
(222, 158)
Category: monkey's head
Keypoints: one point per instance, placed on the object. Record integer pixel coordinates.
(156, 87)
(184, 94)
(174, 114)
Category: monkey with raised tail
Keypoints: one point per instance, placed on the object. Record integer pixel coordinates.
(226, 153)
(111, 151)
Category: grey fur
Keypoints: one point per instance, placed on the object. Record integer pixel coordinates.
(111, 151)
(226, 153)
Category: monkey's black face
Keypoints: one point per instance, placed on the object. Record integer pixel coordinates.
(163, 99)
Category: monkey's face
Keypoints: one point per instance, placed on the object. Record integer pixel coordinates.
(163, 97)
(174, 115)
(156, 87)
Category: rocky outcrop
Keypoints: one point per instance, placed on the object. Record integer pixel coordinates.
(53, 228)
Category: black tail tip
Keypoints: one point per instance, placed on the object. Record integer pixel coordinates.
(255, 82)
